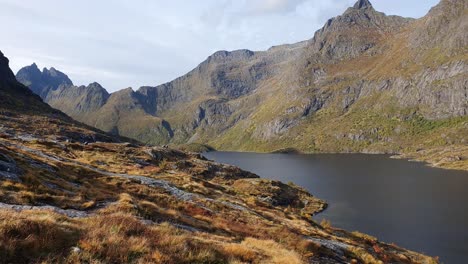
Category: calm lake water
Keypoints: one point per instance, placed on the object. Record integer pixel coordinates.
(415, 206)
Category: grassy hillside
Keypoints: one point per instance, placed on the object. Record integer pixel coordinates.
(67, 195)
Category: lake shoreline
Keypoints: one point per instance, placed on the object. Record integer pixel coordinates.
(378, 194)
(411, 157)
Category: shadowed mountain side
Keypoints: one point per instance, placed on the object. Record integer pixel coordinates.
(14, 95)
(41, 83)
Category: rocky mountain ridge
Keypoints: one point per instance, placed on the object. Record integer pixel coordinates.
(366, 82)
(41, 83)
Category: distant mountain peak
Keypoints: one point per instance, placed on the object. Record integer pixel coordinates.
(42, 82)
(363, 4)
(34, 69)
(55, 73)
(337, 38)
(95, 84)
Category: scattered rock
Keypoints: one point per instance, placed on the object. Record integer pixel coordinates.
(338, 247)
(8, 168)
(452, 159)
(68, 212)
(27, 137)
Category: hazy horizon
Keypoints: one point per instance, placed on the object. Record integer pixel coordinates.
(152, 42)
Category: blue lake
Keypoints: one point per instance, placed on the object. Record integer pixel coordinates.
(415, 206)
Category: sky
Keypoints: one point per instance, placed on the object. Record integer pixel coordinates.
(132, 43)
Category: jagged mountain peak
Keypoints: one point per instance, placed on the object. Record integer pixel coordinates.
(362, 7)
(54, 72)
(363, 15)
(42, 82)
(128, 90)
(95, 85)
(92, 88)
(357, 30)
(363, 4)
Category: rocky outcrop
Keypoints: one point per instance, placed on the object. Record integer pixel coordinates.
(67, 212)
(8, 168)
(444, 27)
(362, 4)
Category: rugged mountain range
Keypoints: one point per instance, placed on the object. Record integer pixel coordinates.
(71, 194)
(365, 82)
(43, 82)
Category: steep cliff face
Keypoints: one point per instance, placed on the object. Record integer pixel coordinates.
(379, 92)
(365, 82)
(428, 62)
(445, 26)
(227, 75)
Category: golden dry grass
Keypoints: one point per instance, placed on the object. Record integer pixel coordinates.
(277, 254)
(221, 220)
(30, 236)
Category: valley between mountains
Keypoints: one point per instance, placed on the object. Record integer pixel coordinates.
(366, 82)
(70, 193)
(85, 178)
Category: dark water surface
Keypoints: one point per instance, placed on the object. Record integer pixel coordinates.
(415, 206)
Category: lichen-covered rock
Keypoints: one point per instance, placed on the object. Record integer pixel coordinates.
(8, 169)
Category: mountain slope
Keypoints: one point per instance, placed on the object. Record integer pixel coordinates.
(76, 195)
(366, 82)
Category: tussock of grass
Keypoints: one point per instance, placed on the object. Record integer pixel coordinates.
(30, 236)
(277, 254)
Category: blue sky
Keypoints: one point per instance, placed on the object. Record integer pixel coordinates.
(131, 43)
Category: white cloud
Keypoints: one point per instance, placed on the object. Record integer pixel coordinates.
(274, 6)
(122, 43)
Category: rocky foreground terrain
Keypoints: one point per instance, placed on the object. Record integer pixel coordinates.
(73, 194)
(366, 82)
